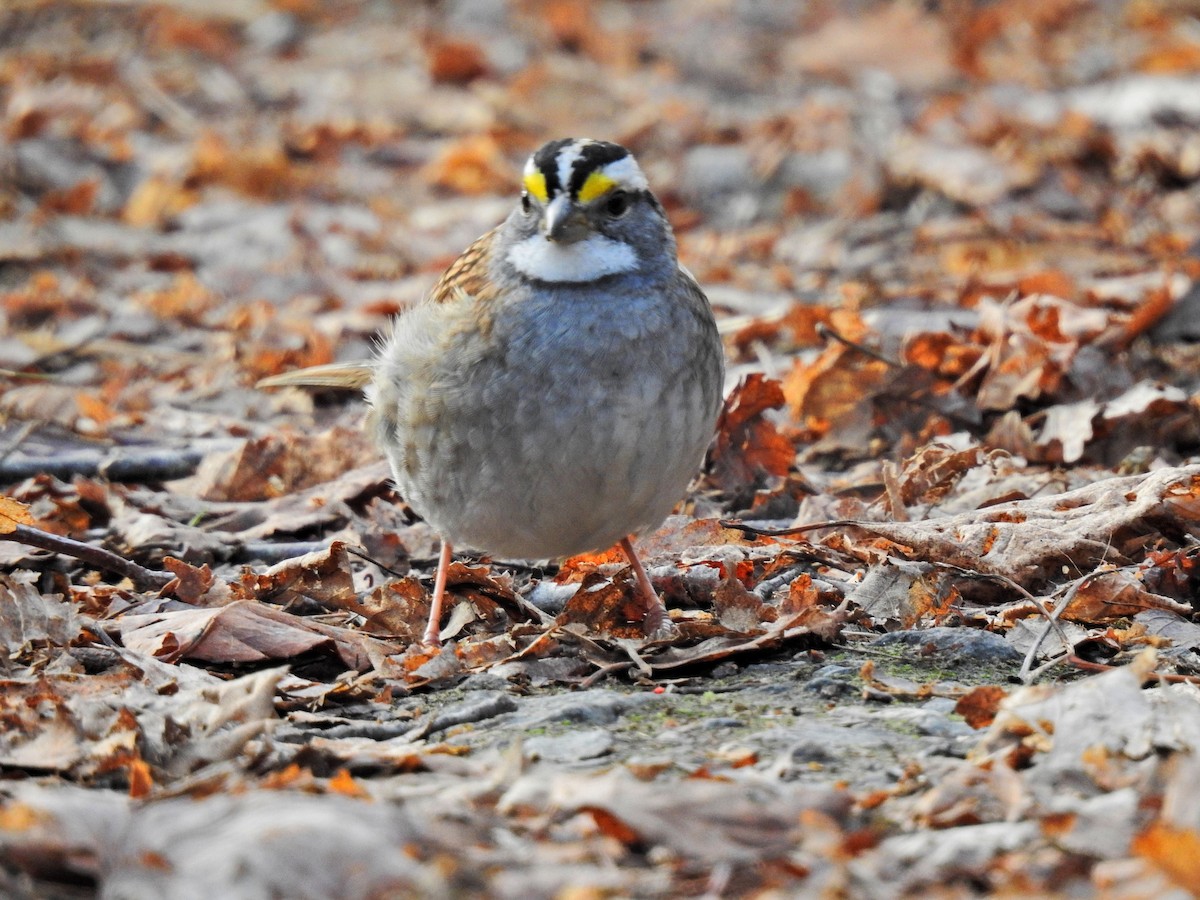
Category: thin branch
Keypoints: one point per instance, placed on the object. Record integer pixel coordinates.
(735, 525)
(825, 331)
(18, 439)
(125, 466)
(96, 557)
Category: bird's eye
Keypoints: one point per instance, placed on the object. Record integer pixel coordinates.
(526, 203)
(617, 204)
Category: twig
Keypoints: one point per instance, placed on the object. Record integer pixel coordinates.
(603, 672)
(18, 439)
(154, 98)
(1051, 623)
(1087, 665)
(797, 529)
(28, 376)
(152, 465)
(1051, 616)
(97, 557)
(825, 331)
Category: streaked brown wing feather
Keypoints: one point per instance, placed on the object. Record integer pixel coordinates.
(468, 274)
(467, 278)
(351, 376)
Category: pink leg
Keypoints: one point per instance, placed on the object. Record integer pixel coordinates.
(433, 630)
(655, 618)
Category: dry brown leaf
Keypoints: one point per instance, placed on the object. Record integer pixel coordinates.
(832, 389)
(33, 624)
(399, 608)
(698, 819)
(241, 632)
(261, 171)
(739, 610)
(748, 445)
(942, 353)
(933, 471)
(604, 606)
(1031, 343)
(1174, 850)
(323, 577)
(455, 62)
(473, 165)
(979, 706)
(281, 464)
(185, 299)
(13, 513)
(156, 199)
(1115, 595)
(1030, 540)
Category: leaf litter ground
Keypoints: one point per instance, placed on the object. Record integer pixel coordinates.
(934, 589)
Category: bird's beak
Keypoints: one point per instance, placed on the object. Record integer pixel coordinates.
(564, 222)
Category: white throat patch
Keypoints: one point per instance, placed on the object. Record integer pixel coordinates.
(586, 260)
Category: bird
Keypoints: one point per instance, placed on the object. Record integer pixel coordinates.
(556, 390)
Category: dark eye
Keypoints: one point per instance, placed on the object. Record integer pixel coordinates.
(617, 204)
(526, 204)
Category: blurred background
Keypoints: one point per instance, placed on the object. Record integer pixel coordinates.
(198, 194)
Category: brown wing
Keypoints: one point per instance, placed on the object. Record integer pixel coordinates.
(468, 274)
(351, 376)
(466, 279)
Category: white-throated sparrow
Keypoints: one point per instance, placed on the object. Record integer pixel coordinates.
(556, 391)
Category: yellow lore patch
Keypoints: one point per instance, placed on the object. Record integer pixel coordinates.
(535, 183)
(597, 185)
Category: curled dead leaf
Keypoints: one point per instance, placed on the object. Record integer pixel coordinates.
(748, 445)
(979, 706)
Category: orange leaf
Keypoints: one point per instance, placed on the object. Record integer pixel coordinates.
(12, 514)
(155, 200)
(1052, 281)
(1176, 851)
(832, 387)
(456, 62)
(611, 826)
(17, 817)
(748, 444)
(291, 776)
(474, 165)
(1183, 57)
(343, 783)
(604, 607)
(77, 200)
(141, 782)
(979, 707)
(94, 408)
(941, 353)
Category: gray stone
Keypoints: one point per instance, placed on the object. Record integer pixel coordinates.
(588, 743)
(963, 646)
(595, 707)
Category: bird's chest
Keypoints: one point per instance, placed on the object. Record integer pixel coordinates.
(558, 385)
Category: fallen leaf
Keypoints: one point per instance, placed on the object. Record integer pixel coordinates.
(748, 445)
(13, 513)
(979, 706)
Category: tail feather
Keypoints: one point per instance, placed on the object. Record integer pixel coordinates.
(351, 376)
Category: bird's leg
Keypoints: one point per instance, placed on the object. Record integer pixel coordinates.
(655, 620)
(433, 636)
